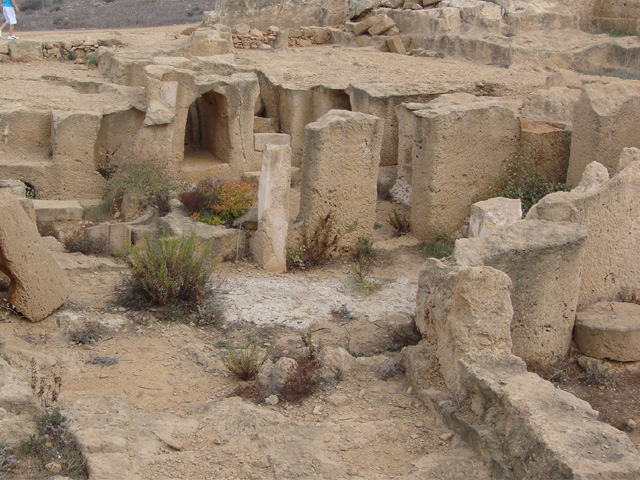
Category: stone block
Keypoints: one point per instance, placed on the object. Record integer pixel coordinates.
(340, 172)
(265, 125)
(407, 124)
(16, 187)
(490, 214)
(460, 151)
(609, 330)
(563, 78)
(262, 140)
(535, 430)
(543, 261)
(225, 243)
(608, 208)
(360, 28)
(395, 45)
(547, 145)
(606, 119)
(555, 105)
(58, 210)
(25, 50)
(462, 310)
(382, 24)
(38, 285)
(269, 244)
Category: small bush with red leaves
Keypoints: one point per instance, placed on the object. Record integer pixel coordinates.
(219, 202)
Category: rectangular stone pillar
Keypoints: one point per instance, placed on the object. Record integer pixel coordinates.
(339, 174)
(459, 154)
(269, 245)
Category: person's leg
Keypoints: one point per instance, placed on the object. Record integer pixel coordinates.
(11, 29)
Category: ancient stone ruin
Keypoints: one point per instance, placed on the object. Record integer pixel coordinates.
(340, 114)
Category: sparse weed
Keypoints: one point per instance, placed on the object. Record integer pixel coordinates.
(522, 180)
(210, 312)
(313, 348)
(319, 247)
(171, 269)
(46, 229)
(107, 162)
(8, 461)
(303, 382)
(341, 312)
(403, 335)
(83, 243)
(91, 61)
(54, 442)
(439, 248)
(88, 335)
(362, 281)
(103, 361)
(47, 390)
(245, 362)
(399, 222)
(296, 257)
(363, 250)
(147, 182)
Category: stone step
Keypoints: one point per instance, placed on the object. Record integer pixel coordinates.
(58, 210)
(265, 125)
(609, 330)
(261, 140)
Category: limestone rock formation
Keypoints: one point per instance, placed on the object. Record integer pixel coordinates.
(38, 285)
(609, 211)
(543, 261)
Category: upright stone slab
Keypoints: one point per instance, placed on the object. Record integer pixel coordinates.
(463, 310)
(38, 285)
(269, 245)
(609, 209)
(606, 119)
(459, 154)
(73, 142)
(340, 172)
(543, 260)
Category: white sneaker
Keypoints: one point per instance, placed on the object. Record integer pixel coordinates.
(12, 37)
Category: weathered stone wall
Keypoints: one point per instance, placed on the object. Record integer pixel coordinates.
(609, 210)
(283, 13)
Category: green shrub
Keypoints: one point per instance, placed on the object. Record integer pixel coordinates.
(171, 269)
(147, 182)
(523, 181)
(216, 202)
(245, 362)
(399, 222)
